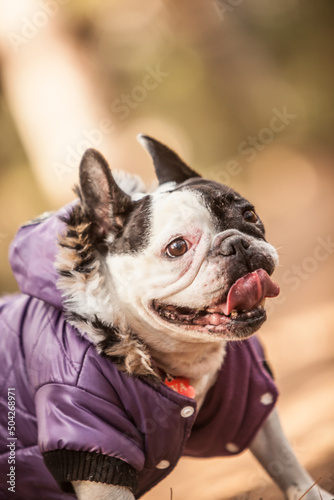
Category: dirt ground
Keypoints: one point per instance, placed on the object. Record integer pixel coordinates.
(305, 374)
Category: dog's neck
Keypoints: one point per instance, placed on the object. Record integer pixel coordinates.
(197, 362)
(191, 360)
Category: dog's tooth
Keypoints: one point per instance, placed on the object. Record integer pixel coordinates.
(263, 303)
(169, 314)
(234, 314)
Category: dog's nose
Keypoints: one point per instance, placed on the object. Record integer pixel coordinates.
(234, 245)
(239, 253)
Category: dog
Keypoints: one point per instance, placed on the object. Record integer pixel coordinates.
(136, 340)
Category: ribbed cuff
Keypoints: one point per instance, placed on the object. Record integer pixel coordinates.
(70, 465)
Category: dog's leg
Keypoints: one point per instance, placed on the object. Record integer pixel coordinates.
(273, 451)
(87, 490)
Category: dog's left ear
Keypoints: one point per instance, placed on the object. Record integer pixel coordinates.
(168, 165)
(104, 202)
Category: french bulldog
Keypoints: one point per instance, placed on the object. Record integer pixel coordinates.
(132, 343)
(186, 271)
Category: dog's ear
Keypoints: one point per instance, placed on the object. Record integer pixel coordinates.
(103, 201)
(168, 165)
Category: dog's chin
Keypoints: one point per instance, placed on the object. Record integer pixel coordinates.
(237, 325)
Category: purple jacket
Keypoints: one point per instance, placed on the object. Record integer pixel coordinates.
(77, 417)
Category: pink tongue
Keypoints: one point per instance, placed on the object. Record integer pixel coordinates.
(248, 292)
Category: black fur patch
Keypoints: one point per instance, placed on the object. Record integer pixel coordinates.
(136, 232)
(226, 205)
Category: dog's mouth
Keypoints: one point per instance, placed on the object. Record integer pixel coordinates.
(242, 308)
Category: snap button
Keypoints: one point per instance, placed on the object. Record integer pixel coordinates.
(187, 411)
(267, 398)
(232, 447)
(163, 464)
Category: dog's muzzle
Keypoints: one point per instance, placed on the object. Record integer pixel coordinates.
(246, 263)
(242, 253)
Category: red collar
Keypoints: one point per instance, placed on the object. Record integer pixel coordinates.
(180, 385)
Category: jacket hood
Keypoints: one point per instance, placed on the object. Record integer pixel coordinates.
(32, 256)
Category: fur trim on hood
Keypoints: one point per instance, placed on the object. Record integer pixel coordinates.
(80, 276)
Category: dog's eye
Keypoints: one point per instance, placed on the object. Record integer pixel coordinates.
(177, 248)
(250, 216)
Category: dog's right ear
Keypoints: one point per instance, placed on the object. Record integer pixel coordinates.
(105, 204)
(168, 165)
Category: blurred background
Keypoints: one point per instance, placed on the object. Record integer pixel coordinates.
(244, 92)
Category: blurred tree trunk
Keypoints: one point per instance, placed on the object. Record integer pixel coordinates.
(51, 95)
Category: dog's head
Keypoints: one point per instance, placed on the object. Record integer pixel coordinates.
(189, 260)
